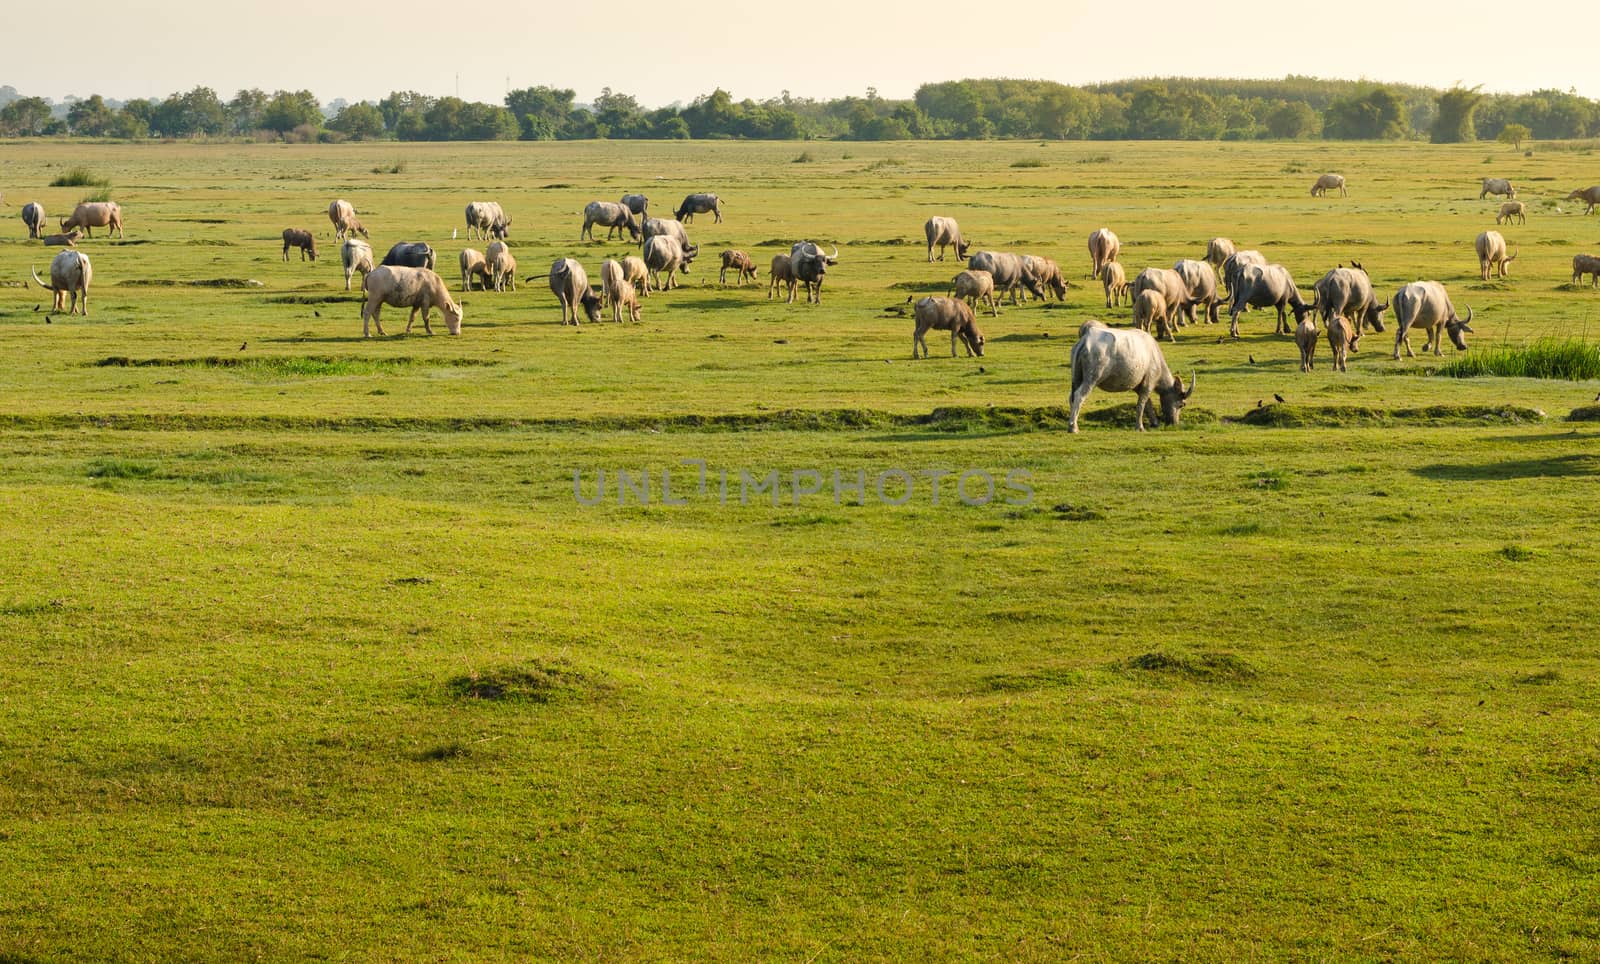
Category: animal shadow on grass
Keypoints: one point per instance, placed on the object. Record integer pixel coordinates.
(1561, 466)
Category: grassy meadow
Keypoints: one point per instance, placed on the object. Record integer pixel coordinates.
(310, 648)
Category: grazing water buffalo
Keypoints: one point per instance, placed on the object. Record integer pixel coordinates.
(1512, 209)
(570, 284)
(33, 217)
(1328, 182)
(474, 265)
(1115, 281)
(740, 263)
(1202, 284)
(1347, 293)
(618, 291)
(1589, 196)
(1103, 246)
(1496, 185)
(654, 227)
(1048, 274)
(1491, 247)
(402, 287)
(1010, 273)
(69, 274)
(810, 265)
(612, 216)
(487, 221)
(409, 254)
(972, 286)
(1583, 264)
(1267, 286)
(780, 274)
(664, 253)
(1124, 360)
(637, 203)
(502, 266)
(1235, 263)
(699, 204)
(637, 274)
(355, 255)
(946, 314)
(343, 215)
(944, 232)
(1174, 291)
(96, 214)
(1426, 305)
(302, 239)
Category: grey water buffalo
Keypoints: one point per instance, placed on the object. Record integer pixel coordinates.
(619, 291)
(1124, 360)
(355, 255)
(1305, 338)
(1115, 281)
(1048, 274)
(33, 217)
(398, 286)
(664, 253)
(95, 214)
(975, 286)
(302, 239)
(654, 227)
(1174, 291)
(1150, 311)
(1009, 271)
(1267, 286)
(742, 265)
(1425, 305)
(486, 221)
(570, 284)
(944, 232)
(781, 273)
(68, 240)
(1491, 248)
(1218, 251)
(343, 215)
(1347, 293)
(637, 203)
(502, 266)
(70, 274)
(1589, 196)
(1328, 182)
(1103, 246)
(1512, 209)
(699, 204)
(637, 274)
(409, 254)
(1583, 264)
(612, 216)
(1497, 185)
(1202, 284)
(474, 266)
(1235, 263)
(810, 266)
(946, 314)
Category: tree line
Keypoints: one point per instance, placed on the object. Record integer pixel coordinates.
(1174, 108)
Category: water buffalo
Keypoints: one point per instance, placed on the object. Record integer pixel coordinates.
(502, 266)
(409, 254)
(699, 204)
(33, 217)
(780, 274)
(1583, 264)
(1589, 196)
(973, 286)
(612, 216)
(1174, 291)
(1218, 251)
(1123, 360)
(1496, 185)
(1235, 263)
(1115, 280)
(1048, 274)
(1491, 248)
(302, 239)
(1328, 182)
(637, 203)
(68, 240)
(1347, 293)
(1010, 273)
(1150, 311)
(355, 255)
(810, 265)
(946, 314)
(653, 227)
(1426, 305)
(405, 287)
(740, 263)
(1512, 209)
(343, 215)
(95, 214)
(944, 232)
(69, 274)
(1202, 284)
(474, 265)
(486, 220)
(619, 291)
(570, 284)
(664, 253)
(1103, 246)
(637, 274)
(1267, 286)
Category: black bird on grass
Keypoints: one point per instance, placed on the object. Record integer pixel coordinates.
(1252, 359)
(316, 312)
(244, 346)
(1278, 397)
(37, 307)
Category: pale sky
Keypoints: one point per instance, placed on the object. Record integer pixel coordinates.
(663, 51)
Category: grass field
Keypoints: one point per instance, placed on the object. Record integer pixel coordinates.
(310, 648)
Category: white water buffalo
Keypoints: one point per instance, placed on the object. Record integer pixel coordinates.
(502, 266)
(1425, 305)
(699, 204)
(944, 232)
(401, 287)
(1103, 246)
(1202, 284)
(1512, 209)
(33, 217)
(570, 284)
(1267, 286)
(1174, 291)
(1235, 263)
(409, 254)
(619, 291)
(1218, 251)
(69, 274)
(95, 214)
(355, 255)
(1583, 264)
(343, 215)
(1328, 182)
(1496, 185)
(1009, 272)
(664, 253)
(1491, 248)
(637, 203)
(302, 239)
(946, 314)
(474, 266)
(1347, 293)
(637, 274)
(1124, 360)
(1115, 282)
(810, 266)
(781, 273)
(612, 216)
(1589, 196)
(486, 220)
(975, 286)
(654, 227)
(1048, 274)
(740, 262)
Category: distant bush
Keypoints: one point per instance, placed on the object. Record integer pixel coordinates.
(80, 177)
(398, 167)
(804, 158)
(1568, 359)
(1028, 162)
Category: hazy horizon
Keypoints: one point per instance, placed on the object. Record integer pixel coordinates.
(842, 49)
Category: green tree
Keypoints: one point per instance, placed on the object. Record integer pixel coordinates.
(541, 112)
(360, 122)
(1454, 123)
(402, 103)
(1377, 114)
(188, 115)
(288, 110)
(620, 115)
(1292, 120)
(246, 108)
(1514, 134)
(91, 117)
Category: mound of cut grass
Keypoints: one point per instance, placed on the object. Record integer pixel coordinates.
(1561, 358)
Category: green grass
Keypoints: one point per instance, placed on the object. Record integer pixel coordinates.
(80, 177)
(1564, 358)
(308, 649)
